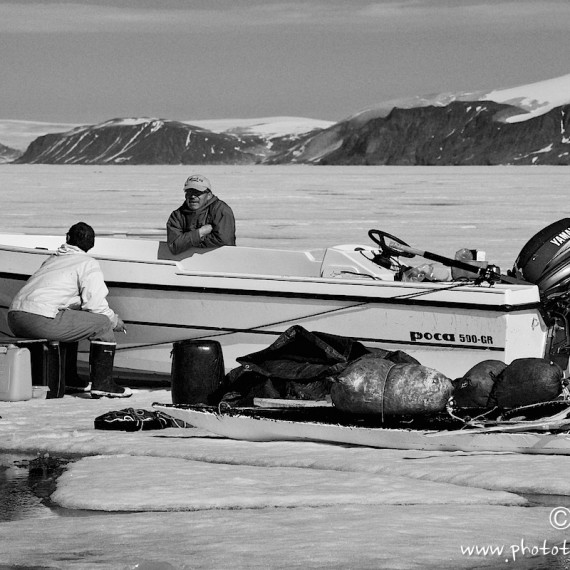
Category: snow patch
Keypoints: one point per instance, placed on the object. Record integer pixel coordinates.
(533, 99)
(267, 127)
(542, 150)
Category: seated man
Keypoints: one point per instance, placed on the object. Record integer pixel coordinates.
(66, 300)
(202, 221)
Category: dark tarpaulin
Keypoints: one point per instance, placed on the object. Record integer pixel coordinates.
(299, 365)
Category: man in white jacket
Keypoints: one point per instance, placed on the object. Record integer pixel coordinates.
(66, 300)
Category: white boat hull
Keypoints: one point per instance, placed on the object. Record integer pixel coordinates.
(246, 297)
(262, 429)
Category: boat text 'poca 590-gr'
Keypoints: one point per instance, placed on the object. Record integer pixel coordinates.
(245, 298)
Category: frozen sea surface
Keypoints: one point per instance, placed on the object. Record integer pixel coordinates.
(440, 209)
(184, 498)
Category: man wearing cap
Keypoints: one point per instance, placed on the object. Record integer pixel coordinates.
(202, 221)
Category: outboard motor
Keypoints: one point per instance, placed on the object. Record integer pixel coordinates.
(545, 261)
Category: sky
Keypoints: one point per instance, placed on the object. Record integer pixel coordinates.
(87, 61)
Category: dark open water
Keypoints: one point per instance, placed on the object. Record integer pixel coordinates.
(26, 483)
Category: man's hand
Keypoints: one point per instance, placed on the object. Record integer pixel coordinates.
(120, 327)
(205, 230)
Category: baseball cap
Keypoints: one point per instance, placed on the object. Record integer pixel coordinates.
(197, 182)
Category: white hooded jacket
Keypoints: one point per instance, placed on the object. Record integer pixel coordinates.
(68, 279)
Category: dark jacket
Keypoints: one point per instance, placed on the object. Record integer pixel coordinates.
(182, 226)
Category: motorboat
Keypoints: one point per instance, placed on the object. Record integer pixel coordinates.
(246, 297)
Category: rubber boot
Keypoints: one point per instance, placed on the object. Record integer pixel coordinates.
(101, 356)
(68, 364)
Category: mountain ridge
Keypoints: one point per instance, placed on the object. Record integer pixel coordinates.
(529, 100)
(524, 124)
(461, 133)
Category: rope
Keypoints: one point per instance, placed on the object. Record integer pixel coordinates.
(477, 421)
(428, 291)
(384, 389)
(286, 321)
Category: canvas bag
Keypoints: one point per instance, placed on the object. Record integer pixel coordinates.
(474, 388)
(372, 385)
(527, 381)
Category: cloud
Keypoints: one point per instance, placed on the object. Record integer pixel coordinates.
(57, 17)
(471, 13)
(177, 16)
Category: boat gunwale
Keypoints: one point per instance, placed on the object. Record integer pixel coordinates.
(373, 281)
(346, 297)
(404, 295)
(365, 300)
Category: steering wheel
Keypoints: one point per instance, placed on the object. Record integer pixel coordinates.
(379, 238)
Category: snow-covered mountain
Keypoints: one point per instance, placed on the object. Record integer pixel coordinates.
(519, 125)
(461, 133)
(530, 100)
(528, 124)
(534, 99)
(8, 154)
(19, 134)
(157, 141)
(139, 141)
(269, 127)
